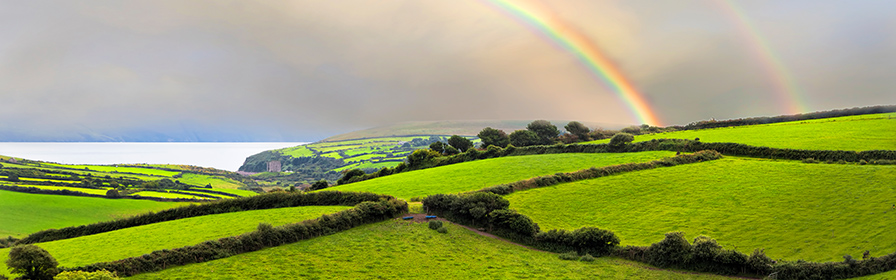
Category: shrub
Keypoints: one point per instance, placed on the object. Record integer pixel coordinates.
(620, 139)
(32, 262)
(569, 256)
(435, 224)
(672, 250)
(587, 258)
(442, 230)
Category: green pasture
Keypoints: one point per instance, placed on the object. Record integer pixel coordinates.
(366, 157)
(297, 151)
(377, 165)
(816, 212)
(136, 241)
(857, 133)
(60, 188)
(216, 182)
(243, 193)
(25, 213)
(403, 250)
(113, 169)
(474, 175)
(166, 195)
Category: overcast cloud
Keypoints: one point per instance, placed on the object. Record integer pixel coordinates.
(304, 70)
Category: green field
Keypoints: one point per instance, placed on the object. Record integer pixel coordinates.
(855, 133)
(216, 182)
(136, 241)
(167, 195)
(28, 213)
(479, 174)
(58, 188)
(816, 212)
(112, 169)
(402, 250)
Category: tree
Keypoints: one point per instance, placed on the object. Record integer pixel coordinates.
(32, 262)
(491, 136)
(545, 130)
(522, 138)
(579, 130)
(438, 146)
(460, 143)
(323, 184)
(349, 175)
(13, 178)
(620, 139)
(112, 193)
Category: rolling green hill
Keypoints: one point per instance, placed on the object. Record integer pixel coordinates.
(402, 250)
(855, 133)
(794, 210)
(25, 213)
(136, 241)
(470, 176)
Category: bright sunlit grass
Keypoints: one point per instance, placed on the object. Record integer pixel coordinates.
(855, 133)
(474, 175)
(815, 212)
(402, 250)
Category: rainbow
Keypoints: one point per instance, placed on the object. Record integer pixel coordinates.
(788, 92)
(545, 23)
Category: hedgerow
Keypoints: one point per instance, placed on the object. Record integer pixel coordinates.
(265, 201)
(265, 236)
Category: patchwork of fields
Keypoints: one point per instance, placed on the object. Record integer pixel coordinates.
(403, 250)
(793, 210)
(25, 213)
(475, 175)
(136, 241)
(853, 133)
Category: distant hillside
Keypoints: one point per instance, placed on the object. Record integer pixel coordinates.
(463, 128)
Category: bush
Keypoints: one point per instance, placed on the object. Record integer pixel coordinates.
(569, 256)
(323, 184)
(620, 139)
(435, 224)
(671, 251)
(442, 230)
(32, 262)
(587, 258)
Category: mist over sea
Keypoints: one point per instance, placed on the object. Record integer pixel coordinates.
(226, 156)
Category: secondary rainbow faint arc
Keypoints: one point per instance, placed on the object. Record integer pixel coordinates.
(587, 53)
(787, 88)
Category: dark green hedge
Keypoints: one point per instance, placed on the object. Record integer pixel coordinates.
(264, 201)
(265, 236)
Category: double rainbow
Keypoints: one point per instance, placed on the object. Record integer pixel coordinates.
(578, 44)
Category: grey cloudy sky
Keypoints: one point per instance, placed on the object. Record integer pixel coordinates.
(304, 70)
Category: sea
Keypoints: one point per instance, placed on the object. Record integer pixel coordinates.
(226, 156)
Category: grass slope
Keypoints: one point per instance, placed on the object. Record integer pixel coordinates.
(136, 241)
(815, 212)
(402, 250)
(478, 174)
(24, 213)
(855, 133)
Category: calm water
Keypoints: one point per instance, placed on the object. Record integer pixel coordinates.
(226, 156)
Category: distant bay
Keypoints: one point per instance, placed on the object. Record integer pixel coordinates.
(226, 156)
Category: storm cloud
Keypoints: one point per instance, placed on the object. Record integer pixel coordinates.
(304, 70)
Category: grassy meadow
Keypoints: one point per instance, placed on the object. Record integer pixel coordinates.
(816, 212)
(136, 241)
(401, 250)
(474, 175)
(25, 213)
(854, 133)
